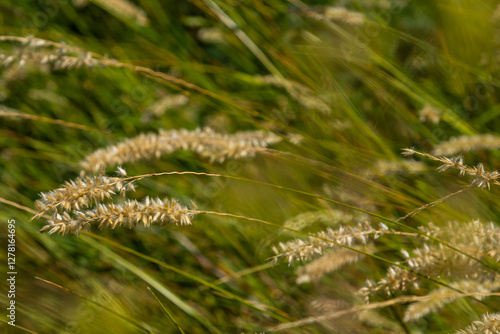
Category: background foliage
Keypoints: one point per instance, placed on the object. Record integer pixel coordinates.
(362, 86)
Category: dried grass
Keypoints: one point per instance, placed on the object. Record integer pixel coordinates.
(206, 142)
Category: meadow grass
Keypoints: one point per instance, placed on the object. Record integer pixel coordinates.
(244, 166)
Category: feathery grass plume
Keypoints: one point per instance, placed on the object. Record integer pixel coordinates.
(302, 94)
(326, 305)
(26, 52)
(300, 249)
(294, 138)
(48, 95)
(420, 309)
(129, 214)
(306, 219)
(482, 178)
(396, 279)
(91, 59)
(429, 114)
(388, 167)
(476, 238)
(467, 143)
(346, 194)
(45, 53)
(211, 35)
(331, 261)
(341, 14)
(338, 14)
(81, 193)
(158, 108)
(490, 324)
(125, 10)
(205, 142)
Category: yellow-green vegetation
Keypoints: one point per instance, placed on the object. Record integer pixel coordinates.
(212, 166)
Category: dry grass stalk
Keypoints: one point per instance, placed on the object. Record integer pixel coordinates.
(477, 239)
(436, 202)
(16, 114)
(128, 214)
(420, 309)
(16, 205)
(429, 114)
(387, 167)
(341, 14)
(323, 305)
(37, 51)
(206, 142)
(327, 263)
(301, 250)
(489, 324)
(30, 41)
(212, 35)
(482, 178)
(337, 14)
(124, 9)
(66, 205)
(81, 193)
(467, 143)
(331, 218)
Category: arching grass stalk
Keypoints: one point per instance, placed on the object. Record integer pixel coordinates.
(436, 202)
(264, 222)
(376, 257)
(21, 115)
(144, 71)
(127, 182)
(394, 222)
(279, 315)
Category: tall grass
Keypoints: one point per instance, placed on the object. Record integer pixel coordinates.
(236, 166)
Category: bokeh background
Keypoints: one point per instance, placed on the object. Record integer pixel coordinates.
(346, 83)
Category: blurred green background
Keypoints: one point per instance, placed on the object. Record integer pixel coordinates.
(349, 84)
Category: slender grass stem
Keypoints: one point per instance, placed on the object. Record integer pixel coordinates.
(166, 311)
